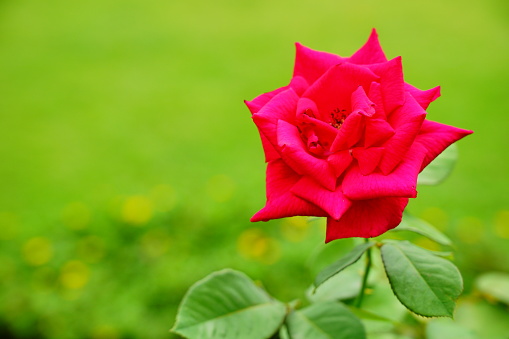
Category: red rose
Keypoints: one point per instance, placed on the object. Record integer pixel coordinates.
(346, 140)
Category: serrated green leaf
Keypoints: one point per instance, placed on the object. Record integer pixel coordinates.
(228, 305)
(426, 284)
(342, 286)
(416, 225)
(328, 320)
(440, 168)
(336, 267)
(494, 286)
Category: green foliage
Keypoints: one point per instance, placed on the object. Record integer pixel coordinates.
(440, 168)
(426, 284)
(416, 225)
(228, 305)
(327, 320)
(447, 329)
(349, 280)
(349, 259)
(106, 99)
(494, 286)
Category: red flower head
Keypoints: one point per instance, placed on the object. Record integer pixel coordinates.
(346, 140)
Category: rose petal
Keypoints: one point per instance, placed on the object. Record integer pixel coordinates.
(349, 133)
(424, 98)
(269, 151)
(299, 85)
(375, 95)
(368, 158)
(282, 106)
(392, 83)
(401, 182)
(306, 106)
(281, 203)
(334, 89)
(340, 161)
(436, 137)
(334, 203)
(325, 132)
(311, 64)
(370, 53)
(361, 103)
(377, 132)
(294, 153)
(406, 121)
(367, 218)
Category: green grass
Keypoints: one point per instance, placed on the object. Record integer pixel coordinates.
(105, 100)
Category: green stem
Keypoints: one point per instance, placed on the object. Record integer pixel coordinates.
(367, 268)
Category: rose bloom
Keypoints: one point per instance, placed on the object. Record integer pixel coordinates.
(346, 140)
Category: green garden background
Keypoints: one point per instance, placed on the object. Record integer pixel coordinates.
(130, 166)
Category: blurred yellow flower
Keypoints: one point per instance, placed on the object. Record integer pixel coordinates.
(295, 228)
(254, 244)
(74, 275)
(38, 251)
(137, 210)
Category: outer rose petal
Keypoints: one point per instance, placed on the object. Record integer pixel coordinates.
(391, 81)
(257, 103)
(424, 98)
(370, 53)
(401, 182)
(367, 218)
(294, 154)
(406, 121)
(436, 137)
(281, 106)
(269, 151)
(311, 64)
(334, 203)
(281, 203)
(298, 84)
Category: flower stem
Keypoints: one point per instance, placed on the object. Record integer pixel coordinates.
(367, 268)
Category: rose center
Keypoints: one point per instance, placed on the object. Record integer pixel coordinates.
(337, 117)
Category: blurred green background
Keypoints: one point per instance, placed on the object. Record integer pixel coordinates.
(130, 166)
